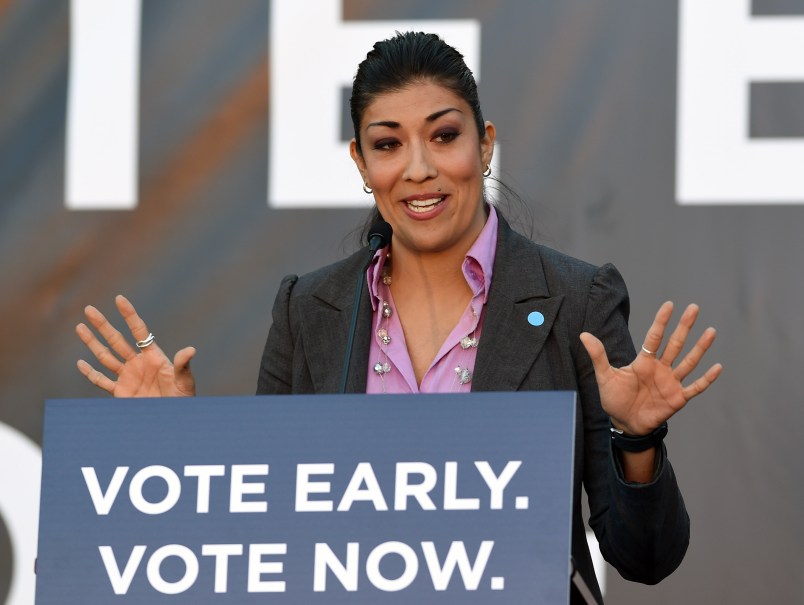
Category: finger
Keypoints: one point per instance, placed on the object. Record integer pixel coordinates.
(114, 338)
(703, 383)
(597, 353)
(99, 350)
(679, 336)
(185, 381)
(95, 377)
(181, 361)
(691, 359)
(135, 323)
(653, 339)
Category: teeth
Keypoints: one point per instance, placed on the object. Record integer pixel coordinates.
(424, 205)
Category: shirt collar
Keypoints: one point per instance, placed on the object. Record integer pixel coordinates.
(479, 261)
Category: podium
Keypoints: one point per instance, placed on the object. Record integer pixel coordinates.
(332, 499)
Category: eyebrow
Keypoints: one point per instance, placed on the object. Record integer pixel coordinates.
(431, 118)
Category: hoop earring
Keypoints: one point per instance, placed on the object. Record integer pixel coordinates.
(367, 189)
(487, 172)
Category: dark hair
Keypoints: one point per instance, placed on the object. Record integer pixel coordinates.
(411, 57)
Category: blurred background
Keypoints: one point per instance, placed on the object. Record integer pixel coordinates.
(190, 153)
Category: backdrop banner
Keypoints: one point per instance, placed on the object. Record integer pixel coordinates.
(314, 499)
(191, 153)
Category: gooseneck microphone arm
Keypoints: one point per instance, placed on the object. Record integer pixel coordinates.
(379, 237)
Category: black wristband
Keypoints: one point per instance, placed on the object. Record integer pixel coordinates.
(632, 443)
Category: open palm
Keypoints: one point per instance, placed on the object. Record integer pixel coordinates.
(147, 373)
(641, 396)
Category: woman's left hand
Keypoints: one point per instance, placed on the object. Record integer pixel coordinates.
(641, 396)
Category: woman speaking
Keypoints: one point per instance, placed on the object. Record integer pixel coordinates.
(459, 302)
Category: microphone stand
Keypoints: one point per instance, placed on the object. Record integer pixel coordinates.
(379, 237)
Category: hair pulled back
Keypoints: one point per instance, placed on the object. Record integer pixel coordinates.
(404, 59)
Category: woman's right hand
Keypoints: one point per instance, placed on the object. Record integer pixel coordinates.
(144, 373)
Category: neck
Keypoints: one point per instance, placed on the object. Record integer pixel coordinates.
(435, 270)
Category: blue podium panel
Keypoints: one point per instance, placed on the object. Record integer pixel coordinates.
(375, 499)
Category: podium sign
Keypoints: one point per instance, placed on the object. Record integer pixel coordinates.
(307, 499)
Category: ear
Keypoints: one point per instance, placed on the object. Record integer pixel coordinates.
(358, 159)
(487, 144)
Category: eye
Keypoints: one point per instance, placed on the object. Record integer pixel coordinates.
(386, 144)
(446, 136)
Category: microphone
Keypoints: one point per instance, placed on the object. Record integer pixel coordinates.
(379, 236)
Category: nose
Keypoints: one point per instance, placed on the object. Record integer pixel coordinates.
(420, 165)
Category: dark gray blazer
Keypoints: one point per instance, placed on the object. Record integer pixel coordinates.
(643, 530)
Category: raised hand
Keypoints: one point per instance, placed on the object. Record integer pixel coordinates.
(144, 373)
(641, 396)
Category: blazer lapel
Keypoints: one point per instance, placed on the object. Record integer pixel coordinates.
(519, 315)
(327, 318)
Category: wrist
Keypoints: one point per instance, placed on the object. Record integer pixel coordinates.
(636, 443)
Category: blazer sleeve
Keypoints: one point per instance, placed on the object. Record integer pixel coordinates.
(276, 365)
(643, 529)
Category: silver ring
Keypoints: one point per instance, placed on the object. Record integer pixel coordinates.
(149, 340)
(644, 350)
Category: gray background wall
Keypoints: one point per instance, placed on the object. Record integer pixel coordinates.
(583, 95)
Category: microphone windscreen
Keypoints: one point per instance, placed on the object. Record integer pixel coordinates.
(379, 235)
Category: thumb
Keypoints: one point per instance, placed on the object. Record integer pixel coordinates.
(185, 381)
(597, 352)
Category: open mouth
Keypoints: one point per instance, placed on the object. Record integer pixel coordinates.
(422, 206)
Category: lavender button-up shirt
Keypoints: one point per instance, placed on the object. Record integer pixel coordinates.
(390, 369)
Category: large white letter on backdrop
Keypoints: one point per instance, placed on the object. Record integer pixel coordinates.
(314, 56)
(20, 472)
(103, 105)
(722, 49)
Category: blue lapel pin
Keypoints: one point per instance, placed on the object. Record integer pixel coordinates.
(535, 318)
